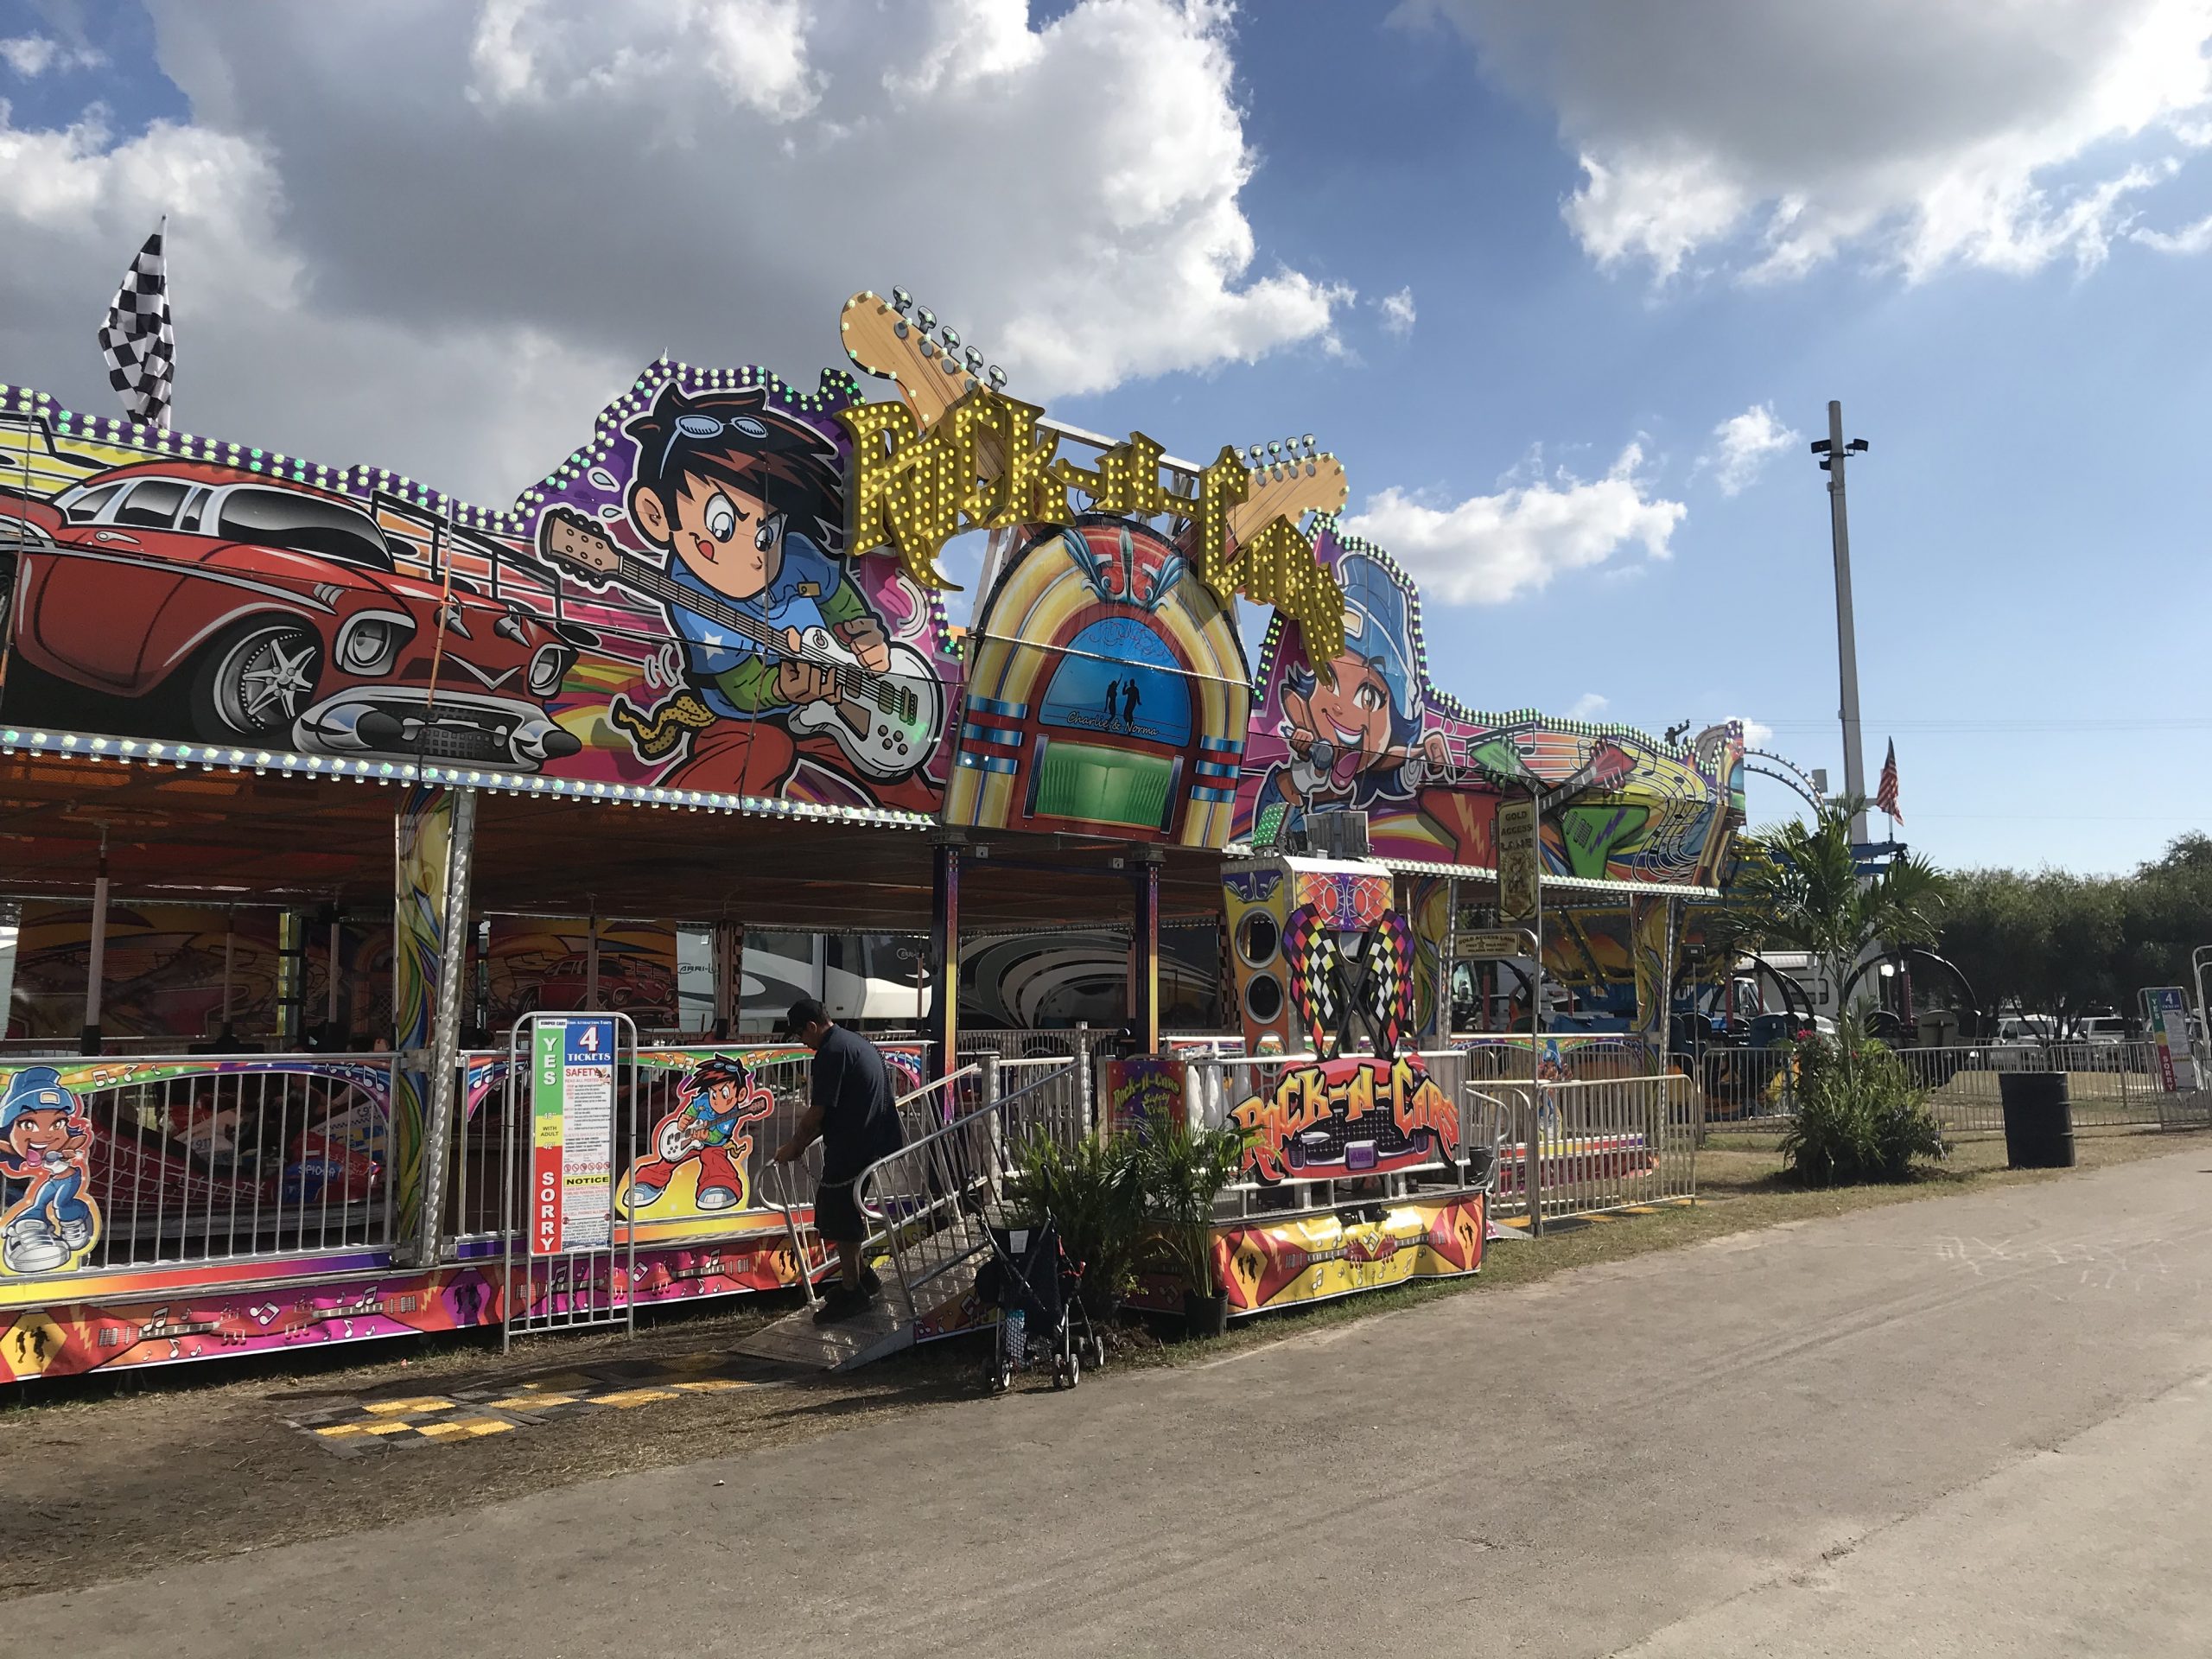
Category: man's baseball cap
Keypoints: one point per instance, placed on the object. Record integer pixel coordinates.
(803, 1013)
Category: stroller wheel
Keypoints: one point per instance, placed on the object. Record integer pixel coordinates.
(1098, 1346)
(1001, 1378)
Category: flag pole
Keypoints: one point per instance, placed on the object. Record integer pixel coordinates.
(168, 300)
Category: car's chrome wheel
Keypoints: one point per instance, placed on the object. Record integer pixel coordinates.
(257, 682)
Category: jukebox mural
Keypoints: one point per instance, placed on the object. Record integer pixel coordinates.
(1107, 694)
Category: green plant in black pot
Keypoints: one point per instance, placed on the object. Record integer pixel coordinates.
(1182, 1172)
(1094, 1193)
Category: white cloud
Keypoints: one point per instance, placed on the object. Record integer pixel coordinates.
(2193, 238)
(437, 238)
(1397, 313)
(1768, 139)
(1756, 733)
(1491, 548)
(1588, 706)
(32, 55)
(1742, 446)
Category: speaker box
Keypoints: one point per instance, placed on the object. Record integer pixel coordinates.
(1255, 900)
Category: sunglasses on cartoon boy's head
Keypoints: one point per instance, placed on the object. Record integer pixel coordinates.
(699, 427)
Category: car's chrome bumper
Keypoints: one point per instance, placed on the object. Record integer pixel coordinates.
(465, 728)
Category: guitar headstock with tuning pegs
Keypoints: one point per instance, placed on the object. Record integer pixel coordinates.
(902, 341)
(578, 547)
(1290, 478)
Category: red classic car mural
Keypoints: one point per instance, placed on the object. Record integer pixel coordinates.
(269, 613)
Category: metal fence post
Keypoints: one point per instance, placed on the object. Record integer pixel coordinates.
(1532, 1182)
(990, 1106)
(1084, 1087)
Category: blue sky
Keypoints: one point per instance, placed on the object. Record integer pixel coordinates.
(2027, 532)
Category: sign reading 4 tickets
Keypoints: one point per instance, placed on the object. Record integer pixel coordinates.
(572, 1135)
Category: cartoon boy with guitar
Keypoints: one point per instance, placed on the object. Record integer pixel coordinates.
(783, 658)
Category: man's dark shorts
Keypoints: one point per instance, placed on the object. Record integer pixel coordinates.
(837, 1216)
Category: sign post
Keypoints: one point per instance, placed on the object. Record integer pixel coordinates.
(1521, 900)
(2170, 1016)
(569, 1271)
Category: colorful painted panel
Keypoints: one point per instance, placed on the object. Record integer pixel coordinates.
(310, 1305)
(107, 1163)
(1313, 1258)
(673, 605)
(1354, 1116)
(1108, 692)
(1369, 731)
(540, 963)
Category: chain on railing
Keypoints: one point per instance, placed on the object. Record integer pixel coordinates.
(156, 1159)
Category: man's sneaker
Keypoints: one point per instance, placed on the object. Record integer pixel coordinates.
(841, 1304)
(717, 1198)
(869, 1283)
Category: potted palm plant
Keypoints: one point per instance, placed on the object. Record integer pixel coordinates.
(1183, 1170)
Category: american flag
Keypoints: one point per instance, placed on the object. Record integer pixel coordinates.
(1885, 792)
(136, 340)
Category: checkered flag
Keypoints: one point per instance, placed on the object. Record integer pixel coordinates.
(136, 340)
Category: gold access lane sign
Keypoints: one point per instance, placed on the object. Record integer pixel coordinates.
(1516, 861)
(1494, 944)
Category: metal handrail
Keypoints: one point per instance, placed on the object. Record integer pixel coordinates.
(945, 1163)
(787, 1202)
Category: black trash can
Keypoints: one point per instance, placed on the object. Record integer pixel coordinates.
(2039, 1120)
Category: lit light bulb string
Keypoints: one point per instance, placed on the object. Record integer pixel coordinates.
(837, 389)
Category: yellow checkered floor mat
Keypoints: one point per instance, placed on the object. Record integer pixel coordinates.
(1568, 1223)
(380, 1423)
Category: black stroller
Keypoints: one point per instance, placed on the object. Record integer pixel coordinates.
(1038, 1290)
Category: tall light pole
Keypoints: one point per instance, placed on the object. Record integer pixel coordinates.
(1832, 449)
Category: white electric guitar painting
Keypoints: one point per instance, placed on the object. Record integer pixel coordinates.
(886, 724)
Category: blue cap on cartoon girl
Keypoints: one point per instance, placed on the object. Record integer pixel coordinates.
(33, 1089)
(1378, 627)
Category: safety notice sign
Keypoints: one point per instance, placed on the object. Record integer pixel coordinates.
(572, 1135)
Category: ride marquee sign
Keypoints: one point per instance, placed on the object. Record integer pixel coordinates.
(989, 462)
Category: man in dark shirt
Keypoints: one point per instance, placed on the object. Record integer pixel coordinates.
(855, 1112)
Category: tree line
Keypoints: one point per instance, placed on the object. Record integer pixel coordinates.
(2068, 946)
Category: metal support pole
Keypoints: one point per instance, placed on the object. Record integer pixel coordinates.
(1085, 1089)
(591, 961)
(291, 976)
(1535, 1041)
(1144, 941)
(729, 979)
(944, 955)
(230, 966)
(445, 1029)
(96, 957)
(1847, 643)
(2203, 1048)
(1441, 1028)
(334, 971)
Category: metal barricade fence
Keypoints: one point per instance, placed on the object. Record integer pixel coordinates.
(1577, 1148)
(2111, 1086)
(648, 1096)
(194, 1158)
(929, 1203)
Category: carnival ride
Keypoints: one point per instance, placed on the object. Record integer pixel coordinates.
(703, 672)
